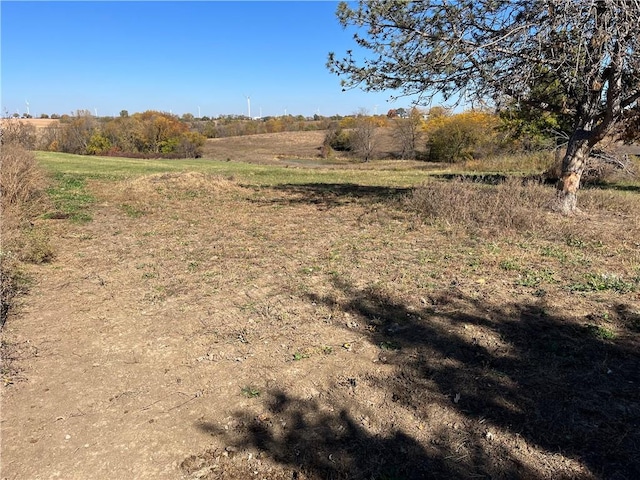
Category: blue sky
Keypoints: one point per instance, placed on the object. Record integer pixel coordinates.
(177, 56)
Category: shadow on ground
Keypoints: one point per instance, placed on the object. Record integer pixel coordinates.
(330, 195)
(515, 371)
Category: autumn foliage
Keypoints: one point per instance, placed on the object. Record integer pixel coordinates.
(146, 134)
(468, 135)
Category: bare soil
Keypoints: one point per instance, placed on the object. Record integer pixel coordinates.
(201, 329)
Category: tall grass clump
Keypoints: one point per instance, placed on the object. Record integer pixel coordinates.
(510, 205)
(22, 199)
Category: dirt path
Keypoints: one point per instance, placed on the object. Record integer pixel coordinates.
(144, 327)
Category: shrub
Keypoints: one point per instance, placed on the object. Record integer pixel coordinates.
(190, 145)
(22, 187)
(98, 144)
(461, 137)
(15, 132)
(336, 139)
(21, 181)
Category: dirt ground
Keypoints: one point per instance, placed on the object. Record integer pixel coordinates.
(199, 329)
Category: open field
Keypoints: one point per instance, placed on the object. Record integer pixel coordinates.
(39, 123)
(294, 319)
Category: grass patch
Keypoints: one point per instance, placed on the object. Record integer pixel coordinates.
(603, 281)
(70, 197)
(132, 211)
(510, 205)
(116, 168)
(602, 333)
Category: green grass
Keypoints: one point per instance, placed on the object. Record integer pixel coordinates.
(604, 281)
(600, 332)
(70, 197)
(115, 168)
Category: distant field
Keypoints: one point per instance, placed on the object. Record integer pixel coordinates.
(268, 159)
(36, 122)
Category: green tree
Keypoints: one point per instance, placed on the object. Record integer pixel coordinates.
(496, 49)
(98, 144)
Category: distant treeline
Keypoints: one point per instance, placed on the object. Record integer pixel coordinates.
(436, 135)
(149, 134)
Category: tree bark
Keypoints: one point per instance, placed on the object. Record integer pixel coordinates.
(573, 165)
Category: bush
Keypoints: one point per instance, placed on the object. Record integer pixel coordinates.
(461, 137)
(15, 132)
(336, 139)
(21, 181)
(22, 188)
(190, 145)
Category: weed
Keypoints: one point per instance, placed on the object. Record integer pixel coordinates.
(388, 345)
(574, 241)
(132, 211)
(309, 270)
(533, 278)
(600, 332)
(509, 205)
(250, 391)
(509, 264)
(36, 247)
(192, 266)
(326, 349)
(22, 187)
(300, 355)
(554, 252)
(604, 281)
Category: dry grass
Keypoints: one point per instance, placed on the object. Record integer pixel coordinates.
(22, 182)
(266, 148)
(22, 188)
(511, 205)
(326, 330)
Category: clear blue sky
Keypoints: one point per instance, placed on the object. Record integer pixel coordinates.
(177, 56)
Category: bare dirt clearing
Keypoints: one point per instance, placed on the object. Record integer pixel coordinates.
(197, 328)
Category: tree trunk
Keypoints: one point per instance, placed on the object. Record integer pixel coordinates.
(573, 165)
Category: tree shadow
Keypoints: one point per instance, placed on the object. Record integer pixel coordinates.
(614, 186)
(319, 443)
(330, 195)
(513, 370)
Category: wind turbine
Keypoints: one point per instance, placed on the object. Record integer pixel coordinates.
(199, 116)
(248, 105)
(27, 103)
